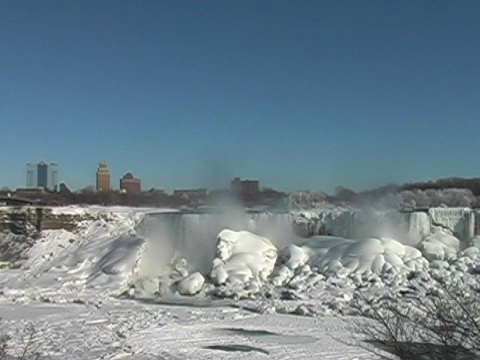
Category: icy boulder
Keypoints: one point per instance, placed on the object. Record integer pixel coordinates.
(191, 285)
(241, 257)
(475, 242)
(472, 252)
(333, 255)
(439, 246)
(293, 256)
(473, 249)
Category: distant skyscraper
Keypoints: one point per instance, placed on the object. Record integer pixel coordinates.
(103, 177)
(31, 175)
(42, 175)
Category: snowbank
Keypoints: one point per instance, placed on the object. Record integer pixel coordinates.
(101, 256)
(333, 255)
(101, 259)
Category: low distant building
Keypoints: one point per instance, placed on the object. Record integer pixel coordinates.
(246, 189)
(15, 201)
(103, 177)
(130, 184)
(28, 192)
(191, 193)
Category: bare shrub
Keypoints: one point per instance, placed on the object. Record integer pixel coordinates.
(3, 346)
(29, 349)
(441, 324)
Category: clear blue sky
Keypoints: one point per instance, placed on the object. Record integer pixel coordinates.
(298, 94)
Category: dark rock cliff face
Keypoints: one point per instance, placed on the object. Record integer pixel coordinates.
(20, 228)
(13, 249)
(29, 220)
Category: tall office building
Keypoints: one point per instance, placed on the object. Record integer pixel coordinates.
(103, 177)
(31, 175)
(43, 175)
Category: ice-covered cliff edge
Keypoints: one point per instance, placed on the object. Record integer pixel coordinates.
(408, 227)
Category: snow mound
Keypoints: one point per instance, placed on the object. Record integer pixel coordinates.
(242, 256)
(439, 246)
(102, 255)
(102, 261)
(332, 255)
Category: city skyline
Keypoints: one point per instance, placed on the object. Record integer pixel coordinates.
(309, 95)
(45, 175)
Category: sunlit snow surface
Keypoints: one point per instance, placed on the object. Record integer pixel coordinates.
(133, 330)
(117, 286)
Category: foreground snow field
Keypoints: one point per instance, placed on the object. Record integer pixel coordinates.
(140, 283)
(132, 330)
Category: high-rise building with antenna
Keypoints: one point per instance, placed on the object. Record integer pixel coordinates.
(103, 177)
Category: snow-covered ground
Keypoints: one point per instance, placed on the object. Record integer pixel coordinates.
(134, 283)
(133, 330)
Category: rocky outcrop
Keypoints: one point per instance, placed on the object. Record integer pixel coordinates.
(28, 220)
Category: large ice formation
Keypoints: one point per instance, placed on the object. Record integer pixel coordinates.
(242, 256)
(188, 254)
(439, 246)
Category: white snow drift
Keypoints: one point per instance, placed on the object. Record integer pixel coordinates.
(337, 255)
(439, 246)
